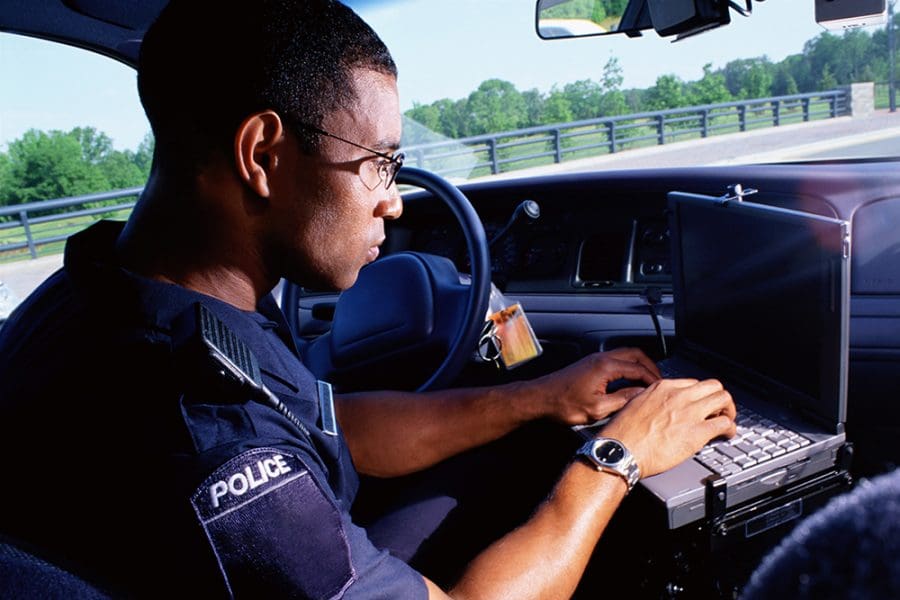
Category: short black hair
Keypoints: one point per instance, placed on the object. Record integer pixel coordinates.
(205, 65)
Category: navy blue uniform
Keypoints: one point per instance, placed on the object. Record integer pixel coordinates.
(111, 451)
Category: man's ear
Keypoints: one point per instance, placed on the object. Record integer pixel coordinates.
(257, 144)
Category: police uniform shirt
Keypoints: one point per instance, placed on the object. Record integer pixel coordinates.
(125, 469)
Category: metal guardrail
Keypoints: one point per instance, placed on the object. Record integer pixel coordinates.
(27, 216)
(499, 151)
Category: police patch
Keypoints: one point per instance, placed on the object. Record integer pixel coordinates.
(274, 531)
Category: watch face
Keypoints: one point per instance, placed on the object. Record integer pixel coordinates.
(609, 452)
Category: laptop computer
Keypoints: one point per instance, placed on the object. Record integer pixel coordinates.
(761, 303)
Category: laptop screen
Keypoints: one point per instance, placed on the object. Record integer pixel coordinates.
(761, 291)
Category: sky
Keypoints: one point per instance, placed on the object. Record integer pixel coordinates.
(49, 86)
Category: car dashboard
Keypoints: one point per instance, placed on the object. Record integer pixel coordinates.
(583, 270)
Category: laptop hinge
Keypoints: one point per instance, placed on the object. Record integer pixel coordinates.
(716, 498)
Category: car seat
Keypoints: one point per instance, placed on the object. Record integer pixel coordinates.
(25, 575)
(849, 549)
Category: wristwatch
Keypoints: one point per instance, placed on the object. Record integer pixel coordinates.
(607, 454)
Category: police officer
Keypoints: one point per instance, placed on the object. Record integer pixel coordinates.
(276, 124)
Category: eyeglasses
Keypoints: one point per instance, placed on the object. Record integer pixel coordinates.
(384, 171)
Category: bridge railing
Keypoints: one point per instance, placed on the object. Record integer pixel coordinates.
(24, 227)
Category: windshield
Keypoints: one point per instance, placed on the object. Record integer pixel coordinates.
(471, 70)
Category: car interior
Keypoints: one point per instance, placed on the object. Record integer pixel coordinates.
(588, 257)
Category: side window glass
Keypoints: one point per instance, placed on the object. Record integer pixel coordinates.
(72, 134)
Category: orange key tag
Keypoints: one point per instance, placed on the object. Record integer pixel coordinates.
(514, 336)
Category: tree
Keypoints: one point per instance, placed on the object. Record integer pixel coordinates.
(710, 89)
(95, 146)
(495, 106)
(612, 101)
(612, 77)
(445, 116)
(827, 81)
(735, 72)
(143, 156)
(5, 176)
(584, 98)
(758, 80)
(55, 164)
(121, 170)
(557, 108)
(784, 83)
(534, 106)
(47, 165)
(667, 93)
(428, 115)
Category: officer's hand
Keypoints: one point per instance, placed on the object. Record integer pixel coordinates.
(671, 420)
(577, 394)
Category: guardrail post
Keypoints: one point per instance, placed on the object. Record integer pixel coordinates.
(806, 109)
(23, 219)
(776, 113)
(661, 129)
(557, 145)
(832, 102)
(492, 155)
(420, 158)
(705, 122)
(611, 136)
(742, 116)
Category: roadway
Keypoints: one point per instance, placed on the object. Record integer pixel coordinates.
(845, 137)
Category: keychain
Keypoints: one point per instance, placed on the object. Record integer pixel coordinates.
(507, 336)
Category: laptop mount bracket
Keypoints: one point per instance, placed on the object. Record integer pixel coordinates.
(716, 498)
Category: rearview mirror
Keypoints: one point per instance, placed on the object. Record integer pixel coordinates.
(579, 18)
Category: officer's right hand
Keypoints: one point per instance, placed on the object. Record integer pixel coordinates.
(671, 420)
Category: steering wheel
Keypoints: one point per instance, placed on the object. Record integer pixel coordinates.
(406, 302)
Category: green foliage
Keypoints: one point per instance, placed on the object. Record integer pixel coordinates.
(597, 11)
(757, 80)
(574, 9)
(557, 108)
(143, 156)
(667, 93)
(784, 83)
(584, 97)
(496, 106)
(711, 89)
(827, 81)
(44, 165)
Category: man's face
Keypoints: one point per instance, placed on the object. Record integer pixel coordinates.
(329, 221)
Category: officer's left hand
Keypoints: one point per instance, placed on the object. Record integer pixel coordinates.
(577, 394)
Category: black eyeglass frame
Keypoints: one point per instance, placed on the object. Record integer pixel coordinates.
(396, 161)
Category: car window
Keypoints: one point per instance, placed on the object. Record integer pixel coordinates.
(71, 125)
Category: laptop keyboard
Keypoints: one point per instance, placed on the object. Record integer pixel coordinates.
(758, 440)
